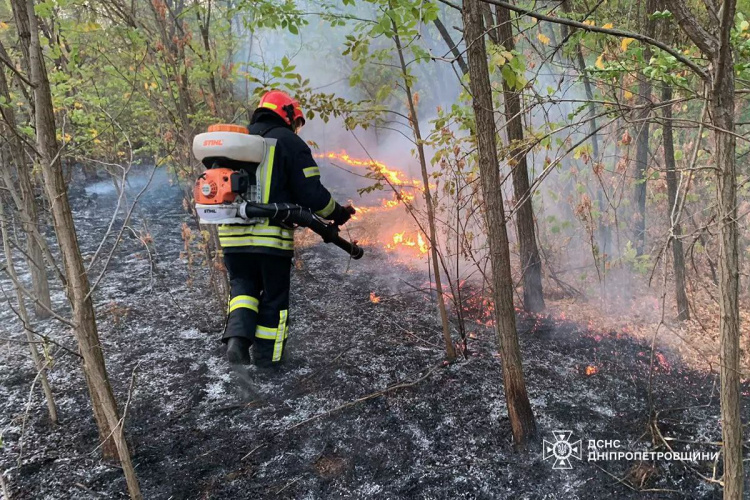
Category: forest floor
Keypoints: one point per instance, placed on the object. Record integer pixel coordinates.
(363, 407)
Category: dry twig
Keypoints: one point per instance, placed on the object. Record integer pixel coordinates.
(373, 395)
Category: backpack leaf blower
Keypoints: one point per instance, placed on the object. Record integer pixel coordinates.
(229, 192)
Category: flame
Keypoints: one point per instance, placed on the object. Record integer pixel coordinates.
(398, 180)
(398, 198)
(374, 298)
(403, 240)
(390, 174)
(422, 245)
(407, 243)
(591, 370)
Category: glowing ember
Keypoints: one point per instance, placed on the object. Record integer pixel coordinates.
(374, 298)
(662, 363)
(591, 370)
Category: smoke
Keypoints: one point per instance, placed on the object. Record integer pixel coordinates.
(567, 205)
(389, 141)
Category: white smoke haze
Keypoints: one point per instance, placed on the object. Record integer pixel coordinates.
(561, 231)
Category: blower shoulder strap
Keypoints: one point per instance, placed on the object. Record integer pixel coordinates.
(264, 173)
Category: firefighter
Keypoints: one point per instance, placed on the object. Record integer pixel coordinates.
(258, 257)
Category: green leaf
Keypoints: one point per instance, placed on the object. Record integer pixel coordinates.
(509, 76)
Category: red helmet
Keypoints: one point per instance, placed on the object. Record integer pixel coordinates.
(283, 105)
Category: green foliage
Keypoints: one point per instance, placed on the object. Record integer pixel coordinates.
(269, 14)
(660, 15)
(512, 66)
(741, 41)
(638, 263)
(144, 88)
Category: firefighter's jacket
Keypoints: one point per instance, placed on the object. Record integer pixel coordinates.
(294, 177)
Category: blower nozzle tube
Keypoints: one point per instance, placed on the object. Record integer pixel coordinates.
(289, 213)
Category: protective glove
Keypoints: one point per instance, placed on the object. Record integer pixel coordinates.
(342, 215)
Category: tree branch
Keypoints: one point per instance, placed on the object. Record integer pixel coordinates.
(451, 45)
(614, 32)
(450, 4)
(708, 43)
(14, 70)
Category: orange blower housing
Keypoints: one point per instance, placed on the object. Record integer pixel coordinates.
(220, 185)
(232, 157)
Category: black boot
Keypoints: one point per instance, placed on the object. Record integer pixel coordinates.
(237, 351)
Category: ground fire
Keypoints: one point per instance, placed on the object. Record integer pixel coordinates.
(380, 249)
(399, 193)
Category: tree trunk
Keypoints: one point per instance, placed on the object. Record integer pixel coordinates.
(176, 78)
(531, 264)
(450, 350)
(451, 46)
(683, 311)
(721, 107)
(26, 207)
(641, 139)
(604, 233)
(720, 80)
(100, 390)
(39, 363)
(519, 408)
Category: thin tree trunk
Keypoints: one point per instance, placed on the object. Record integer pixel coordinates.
(39, 363)
(604, 234)
(531, 264)
(450, 350)
(451, 45)
(184, 108)
(100, 390)
(204, 26)
(641, 139)
(683, 312)
(519, 408)
(26, 207)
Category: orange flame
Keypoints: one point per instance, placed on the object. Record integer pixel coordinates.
(404, 193)
(403, 240)
(374, 298)
(591, 370)
(392, 175)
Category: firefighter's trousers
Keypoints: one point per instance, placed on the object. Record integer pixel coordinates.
(259, 302)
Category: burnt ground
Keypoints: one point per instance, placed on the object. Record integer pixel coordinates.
(196, 433)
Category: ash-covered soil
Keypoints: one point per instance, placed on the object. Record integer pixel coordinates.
(315, 429)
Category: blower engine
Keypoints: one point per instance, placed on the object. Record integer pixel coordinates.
(230, 190)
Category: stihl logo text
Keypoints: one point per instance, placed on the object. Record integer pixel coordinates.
(213, 142)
